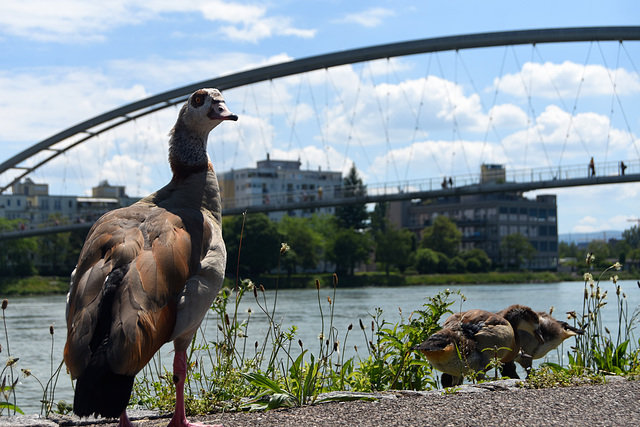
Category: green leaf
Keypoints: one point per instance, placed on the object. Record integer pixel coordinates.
(11, 407)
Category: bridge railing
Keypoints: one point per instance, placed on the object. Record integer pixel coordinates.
(308, 199)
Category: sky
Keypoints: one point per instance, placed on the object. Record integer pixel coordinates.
(406, 119)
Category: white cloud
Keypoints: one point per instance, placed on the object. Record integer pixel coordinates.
(78, 21)
(368, 18)
(567, 80)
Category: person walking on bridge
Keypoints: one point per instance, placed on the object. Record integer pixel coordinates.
(592, 168)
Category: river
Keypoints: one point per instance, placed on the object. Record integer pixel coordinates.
(28, 320)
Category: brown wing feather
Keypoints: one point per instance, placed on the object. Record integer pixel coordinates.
(156, 248)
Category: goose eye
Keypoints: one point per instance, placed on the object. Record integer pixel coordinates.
(197, 101)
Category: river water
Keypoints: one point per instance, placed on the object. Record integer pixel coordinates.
(28, 320)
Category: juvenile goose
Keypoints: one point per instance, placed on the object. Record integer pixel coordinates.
(468, 341)
(148, 273)
(553, 331)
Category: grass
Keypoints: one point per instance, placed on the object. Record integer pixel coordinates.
(234, 372)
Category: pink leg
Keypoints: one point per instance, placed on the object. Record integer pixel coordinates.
(180, 373)
(124, 420)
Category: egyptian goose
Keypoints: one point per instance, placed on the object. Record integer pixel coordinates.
(148, 273)
(469, 340)
(553, 331)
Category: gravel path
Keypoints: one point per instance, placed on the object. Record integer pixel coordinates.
(497, 403)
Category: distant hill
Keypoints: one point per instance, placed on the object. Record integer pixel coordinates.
(587, 237)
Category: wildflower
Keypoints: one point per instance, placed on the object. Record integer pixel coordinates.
(617, 266)
(249, 311)
(284, 248)
(590, 258)
(321, 336)
(12, 360)
(241, 334)
(588, 277)
(26, 372)
(614, 279)
(551, 309)
(329, 299)
(571, 315)
(336, 345)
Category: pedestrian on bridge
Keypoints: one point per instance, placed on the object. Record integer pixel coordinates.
(592, 168)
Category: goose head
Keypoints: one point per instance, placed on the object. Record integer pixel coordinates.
(523, 318)
(205, 109)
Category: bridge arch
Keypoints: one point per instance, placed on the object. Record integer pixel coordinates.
(90, 128)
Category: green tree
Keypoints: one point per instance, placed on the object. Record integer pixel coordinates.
(601, 251)
(352, 215)
(442, 236)
(16, 256)
(632, 237)
(304, 241)
(56, 252)
(260, 244)
(347, 249)
(516, 250)
(427, 261)
(477, 260)
(393, 247)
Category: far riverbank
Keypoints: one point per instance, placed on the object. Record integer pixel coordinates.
(40, 285)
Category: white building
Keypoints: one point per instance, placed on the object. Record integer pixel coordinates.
(279, 182)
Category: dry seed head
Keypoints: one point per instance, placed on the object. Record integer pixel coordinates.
(256, 345)
(329, 299)
(284, 248)
(373, 327)
(261, 288)
(226, 319)
(300, 343)
(361, 324)
(5, 303)
(335, 279)
(51, 329)
(350, 327)
(317, 284)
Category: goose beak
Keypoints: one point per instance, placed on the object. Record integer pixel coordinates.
(219, 111)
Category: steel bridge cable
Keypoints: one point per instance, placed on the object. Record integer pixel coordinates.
(416, 116)
(616, 97)
(490, 123)
(384, 120)
(633, 65)
(574, 111)
(530, 105)
(318, 120)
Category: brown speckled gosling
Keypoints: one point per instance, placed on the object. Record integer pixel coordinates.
(554, 332)
(469, 340)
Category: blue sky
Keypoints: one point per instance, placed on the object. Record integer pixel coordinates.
(424, 116)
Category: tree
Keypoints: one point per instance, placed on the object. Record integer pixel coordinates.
(304, 241)
(260, 244)
(477, 260)
(16, 256)
(348, 248)
(600, 250)
(442, 236)
(393, 247)
(352, 215)
(515, 250)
